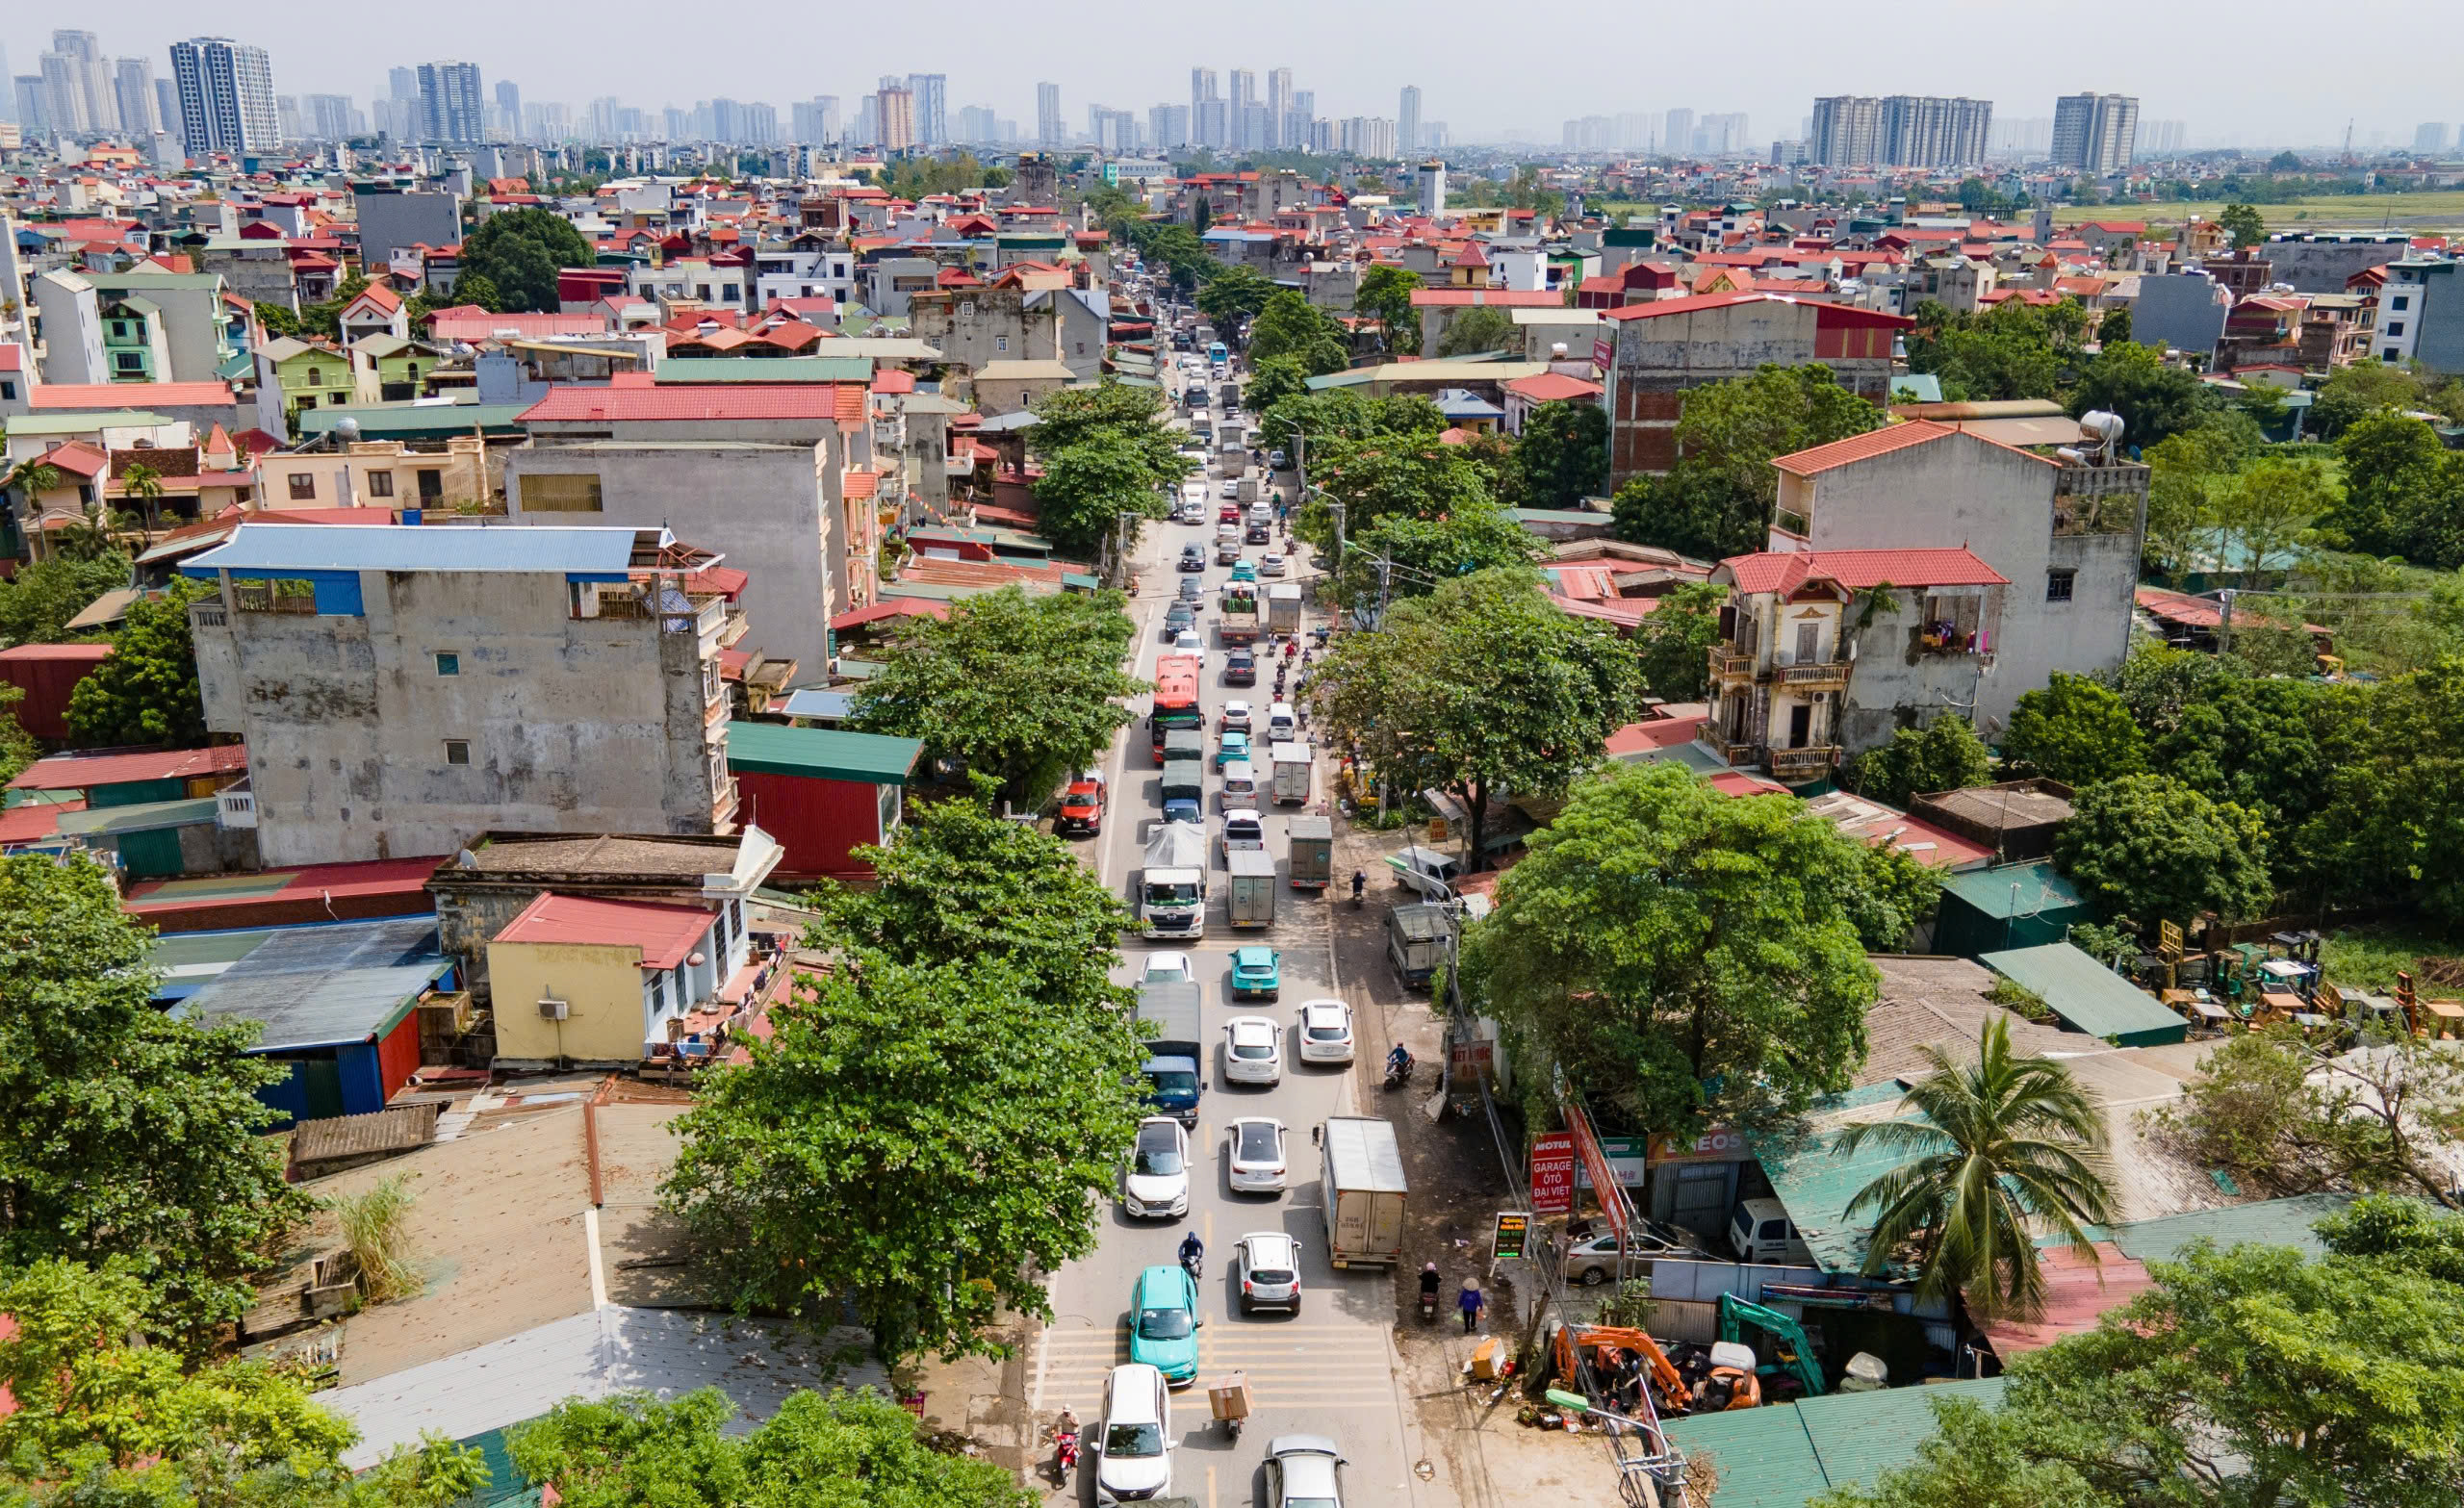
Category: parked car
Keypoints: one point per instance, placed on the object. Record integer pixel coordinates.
(1192, 557)
(1240, 664)
(1268, 1267)
(1252, 1051)
(1157, 1183)
(1236, 714)
(1164, 1321)
(1257, 973)
(1325, 1032)
(1133, 1445)
(1168, 968)
(1304, 1472)
(1235, 745)
(1253, 1145)
(1427, 871)
(1270, 564)
(1082, 810)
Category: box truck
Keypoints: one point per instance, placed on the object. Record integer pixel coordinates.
(1283, 607)
(1252, 887)
(1292, 775)
(1313, 851)
(1363, 1190)
(1173, 1084)
(1172, 885)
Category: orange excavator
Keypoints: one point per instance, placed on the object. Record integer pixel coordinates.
(1728, 1383)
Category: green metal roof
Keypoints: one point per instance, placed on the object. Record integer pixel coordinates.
(1815, 1185)
(2016, 890)
(2089, 996)
(1558, 516)
(766, 368)
(143, 817)
(821, 753)
(79, 424)
(1782, 1455)
(2275, 1222)
(398, 420)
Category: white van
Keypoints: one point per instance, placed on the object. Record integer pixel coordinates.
(1761, 1232)
(1240, 784)
(1282, 726)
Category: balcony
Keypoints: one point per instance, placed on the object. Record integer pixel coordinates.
(209, 614)
(274, 597)
(1728, 665)
(1813, 675)
(236, 805)
(1810, 763)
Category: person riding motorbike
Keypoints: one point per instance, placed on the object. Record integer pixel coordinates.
(1428, 1289)
(1193, 1252)
(1359, 883)
(1399, 1060)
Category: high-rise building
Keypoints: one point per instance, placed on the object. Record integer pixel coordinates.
(1212, 125)
(167, 105)
(1169, 126)
(402, 84)
(33, 104)
(1899, 131)
(133, 88)
(1048, 127)
(452, 106)
(897, 109)
(1238, 122)
(1206, 124)
(1370, 137)
(814, 122)
(329, 116)
(79, 78)
(2430, 137)
(226, 96)
(1432, 187)
(1278, 105)
(509, 111)
(2095, 133)
(1677, 133)
(1407, 119)
(932, 92)
(2165, 137)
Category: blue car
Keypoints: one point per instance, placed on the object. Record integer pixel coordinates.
(1235, 745)
(1257, 974)
(1162, 1324)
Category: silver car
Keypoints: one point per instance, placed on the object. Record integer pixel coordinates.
(1304, 1472)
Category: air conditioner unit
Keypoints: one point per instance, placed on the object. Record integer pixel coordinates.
(550, 1009)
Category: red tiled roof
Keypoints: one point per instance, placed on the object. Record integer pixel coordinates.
(893, 381)
(76, 457)
(1666, 732)
(1551, 387)
(71, 772)
(1779, 571)
(1694, 305)
(842, 401)
(89, 652)
(469, 323)
(895, 607)
(356, 878)
(863, 484)
(1861, 448)
(665, 935)
(130, 395)
(1487, 297)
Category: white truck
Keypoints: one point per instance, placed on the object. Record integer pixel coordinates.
(1252, 887)
(1364, 1191)
(1171, 883)
(1294, 775)
(1283, 607)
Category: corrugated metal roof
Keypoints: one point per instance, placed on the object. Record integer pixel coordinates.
(80, 423)
(59, 395)
(79, 771)
(662, 935)
(1782, 1455)
(329, 986)
(2087, 995)
(402, 546)
(140, 817)
(1815, 1183)
(1858, 1435)
(394, 421)
(2016, 890)
(397, 1128)
(821, 753)
(765, 368)
(1762, 1457)
(2275, 1222)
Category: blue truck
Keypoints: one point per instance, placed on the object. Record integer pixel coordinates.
(1174, 1080)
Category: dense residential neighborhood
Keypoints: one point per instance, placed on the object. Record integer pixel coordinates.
(866, 803)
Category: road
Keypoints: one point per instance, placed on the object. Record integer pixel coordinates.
(1332, 1369)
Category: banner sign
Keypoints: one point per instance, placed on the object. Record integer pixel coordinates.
(1553, 1173)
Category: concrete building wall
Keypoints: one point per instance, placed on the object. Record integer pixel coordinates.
(2322, 264)
(605, 994)
(1658, 359)
(2186, 311)
(572, 724)
(72, 328)
(193, 319)
(974, 328)
(389, 221)
(764, 505)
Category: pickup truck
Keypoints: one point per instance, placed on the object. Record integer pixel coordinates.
(1082, 810)
(1237, 616)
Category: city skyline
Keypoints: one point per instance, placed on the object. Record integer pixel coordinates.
(1480, 91)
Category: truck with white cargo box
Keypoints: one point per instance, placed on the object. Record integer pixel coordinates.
(1294, 775)
(1252, 887)
(1313, 851)
(1364, 1191)
(1283, 607)
(1415, 941)
(1171, 883)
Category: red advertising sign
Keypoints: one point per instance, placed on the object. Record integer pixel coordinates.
(1604, 1178)
(1553, 1173)
(1603, 355)
(1719, 1144)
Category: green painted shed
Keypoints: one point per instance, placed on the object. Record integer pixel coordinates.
(2089, 997)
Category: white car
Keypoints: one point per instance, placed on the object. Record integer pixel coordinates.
(1254, 1146)
(1304, 1472)
(1190, 642)
(1157, 1184)
(1236, 717)
(1231, 488)
(1270, 564)
(1435, 875)
(1168, 968)
(1243, 828)
(1268, 1267)
(1134, 1444)
(1325, 1032)
(1252, 1051)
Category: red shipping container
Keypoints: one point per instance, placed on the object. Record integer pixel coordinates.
(47, 674)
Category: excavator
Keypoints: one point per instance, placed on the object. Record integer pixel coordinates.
(1795, 1349)
(1730, 1382)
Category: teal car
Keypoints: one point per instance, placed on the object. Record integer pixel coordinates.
(1245, 570)
(1257, 974)
(1163, 1325)
(1235, 745)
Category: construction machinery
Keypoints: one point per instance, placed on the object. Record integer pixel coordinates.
(1727, 1382)
(1793, 1347)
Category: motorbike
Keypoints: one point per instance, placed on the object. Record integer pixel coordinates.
(1429, 1306)
(1399, 1074)
(1196, 1268)
(1065, 1453)
(1359, 886)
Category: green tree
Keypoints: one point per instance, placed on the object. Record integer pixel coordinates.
(17, 747)
(2115, 327)
(37, 604)
(2186, 472)
(1396, 475)
(2403, 492)
(2265, 510)
(144, 483)
(1717, 499)
(1385, 296)
(478, 288)
(835, 1450)
(2148, 847)
(2007, 353)
(519, 252)
(1562, 454)
(1067, 417)
(1289, 327)
(1687, 958)
(1946, 754)
(916, 1142)
(125, 1131)
(1481, 687)
(2362, 388)
(2407, 1232)
(2265, 744)
(1273, 380)
(1694, 509)
(1422, 554)
(1342, 413)
(1019, 688)
(1674, 643)
(2155, 401)
(2076, 731)
(2244, 223)
(1996, 1147)
(1477, 329)
(1233, 296)
(145, 691)
(1085, 488)
(2390, 826)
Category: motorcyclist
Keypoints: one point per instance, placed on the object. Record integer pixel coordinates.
(1192, 1251)
(1428, 1284)
(1399, 1060)
(1068, 1424)
(1359, 883)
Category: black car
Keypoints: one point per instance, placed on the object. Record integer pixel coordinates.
(1241, 666)
(1192, 557)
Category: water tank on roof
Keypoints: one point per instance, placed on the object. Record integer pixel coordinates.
(2106, 426)
(346, 430)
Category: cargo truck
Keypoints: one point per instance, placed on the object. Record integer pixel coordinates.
(1236, 613)
(1292, 775)
(1313, 851)
(1283, 607)
(1173, 1083)
(1183, 792)
(1364, 1191)
(1252, 887)
(1172, 884)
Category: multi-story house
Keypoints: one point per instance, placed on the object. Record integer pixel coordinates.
(402, 689)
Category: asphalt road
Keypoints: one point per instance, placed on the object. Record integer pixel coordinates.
(1331, 1369)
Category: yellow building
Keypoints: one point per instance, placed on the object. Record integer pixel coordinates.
(577, 981)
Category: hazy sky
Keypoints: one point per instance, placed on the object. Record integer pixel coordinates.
(2269, 73)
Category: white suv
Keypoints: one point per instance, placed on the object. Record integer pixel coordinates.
(1252, 1051)
(1133, 1446)
(1268, 1263)
(1325, 1032)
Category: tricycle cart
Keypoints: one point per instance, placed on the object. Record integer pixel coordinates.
(1228, 1396)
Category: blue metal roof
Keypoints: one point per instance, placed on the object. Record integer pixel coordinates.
(327, 985)
(267, 547)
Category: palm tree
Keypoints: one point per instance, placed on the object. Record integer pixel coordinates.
(2001, 1145)
(143, 483)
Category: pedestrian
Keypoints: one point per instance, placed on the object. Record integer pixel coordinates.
(1471, 1301)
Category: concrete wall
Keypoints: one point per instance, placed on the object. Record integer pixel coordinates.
(761, 504)
(574, 724)
(191, 307)
(603, 987)
(2322, 266)
(390, 221)
(2183, 310)
(1658, 359)
(976, 326)
(72, 328)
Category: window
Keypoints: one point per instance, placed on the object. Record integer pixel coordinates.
(2395, 328)
(2056, 585)
(2392, 354)
(128, 361)
(316, 376)
(1001, 343)
(303, 486)
(7, 392)
(2400, 302)
(447, 663)
(457, 751)
(566, 492)
(380, 484)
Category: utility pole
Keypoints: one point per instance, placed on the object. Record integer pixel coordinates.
(1385, 584)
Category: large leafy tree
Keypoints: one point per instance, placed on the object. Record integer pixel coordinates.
(145, 691)
(2244, 223)
(2390, 826)
(1685, 956)
(1419, 554)
(2074, 731)
(1946, 754)
(37, 604)
(2403, 492)
(1087, 490)
(1344, 415)
(1716, 501)
(1414, 475)
(520, 252)
(915, 1146)
(125, 1131)
(2352, 392)
(1014, 687)
(1289, 327)
(1271, 380)
(1385, 296)
(1674, 643)
(2268, 745)
(1995, 1147)
(834, 1450)
(1477, 329)
(2155, 401)
(2007, 353)
(1479, 688)
(1233, 296)
(2151, 847)
(1562, 454)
